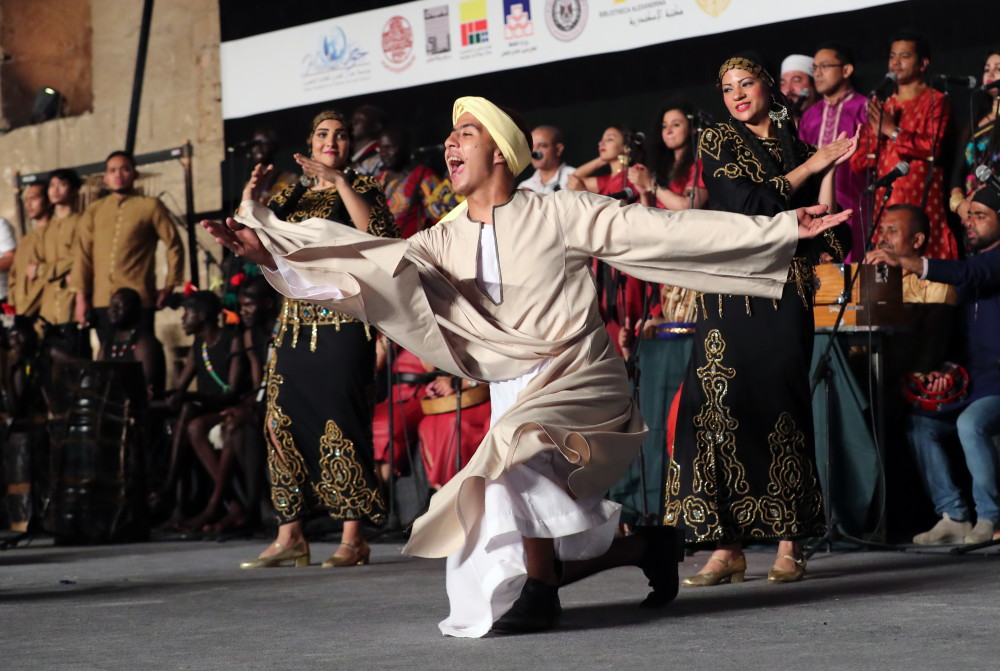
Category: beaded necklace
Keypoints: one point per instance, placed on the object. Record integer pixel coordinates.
(211, 370)
(120, 347)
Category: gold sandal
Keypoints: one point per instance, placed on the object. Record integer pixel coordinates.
(777, 575)
(299, 553)
(362, 553)
(732, 572)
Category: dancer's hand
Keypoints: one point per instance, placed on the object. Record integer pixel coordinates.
(814, 220)
(240, 240)
(852, 147)
(317, 170)
(261, 175)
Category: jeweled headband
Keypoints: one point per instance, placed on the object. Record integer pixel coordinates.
(744, 63)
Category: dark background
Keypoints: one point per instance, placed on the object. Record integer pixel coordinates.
(583, 96)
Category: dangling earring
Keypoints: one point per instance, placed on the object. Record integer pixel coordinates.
(778, 113)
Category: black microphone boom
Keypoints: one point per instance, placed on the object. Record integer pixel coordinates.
(968, 81)
(886, 87)
(902, 169)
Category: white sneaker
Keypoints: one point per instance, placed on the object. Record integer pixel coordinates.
(981, 533)
(946, 532)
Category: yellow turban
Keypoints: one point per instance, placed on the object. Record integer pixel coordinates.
(505, 133)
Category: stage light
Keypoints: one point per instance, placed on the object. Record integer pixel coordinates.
(48, 105)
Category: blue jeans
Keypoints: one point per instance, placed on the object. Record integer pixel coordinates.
(976, 426)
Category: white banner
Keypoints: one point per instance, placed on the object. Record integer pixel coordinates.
(436, 40)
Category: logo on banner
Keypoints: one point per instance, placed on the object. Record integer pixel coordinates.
(472, 21)
(566, 18)
(713, 7)
(335, 53)
(517, 19)
(436, 27)
(397, 44)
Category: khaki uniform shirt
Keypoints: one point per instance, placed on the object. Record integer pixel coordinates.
(55, 256)
(26, 295)
(116, 247)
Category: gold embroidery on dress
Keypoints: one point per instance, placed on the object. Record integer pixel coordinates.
(343, 489)
(296, 314)
(716, 464)
(287, 469)
(838, 249)
(793, 488)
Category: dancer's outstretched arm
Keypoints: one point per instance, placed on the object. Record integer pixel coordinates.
(240, 240)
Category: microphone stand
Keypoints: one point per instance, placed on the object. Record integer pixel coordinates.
(456, 384)
(824, 372)
(390, 356)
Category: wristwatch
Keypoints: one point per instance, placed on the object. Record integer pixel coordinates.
(895, 134)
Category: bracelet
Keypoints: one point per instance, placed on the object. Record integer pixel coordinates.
(956, 200)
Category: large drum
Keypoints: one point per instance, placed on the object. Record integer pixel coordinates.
(98, 491)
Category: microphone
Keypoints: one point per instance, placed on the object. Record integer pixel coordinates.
(886, 87)
(800, 98)
(986, 176)
(626, 194)
(902, 169)
(428, 148)
(968, 81)
(537, 155)
(991, 86)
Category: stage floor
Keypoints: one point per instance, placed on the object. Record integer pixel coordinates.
(187, 605)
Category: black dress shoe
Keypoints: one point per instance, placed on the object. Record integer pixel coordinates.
(536, 609)
(664, 549)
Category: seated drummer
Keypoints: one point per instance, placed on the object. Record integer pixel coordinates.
(130, 343)
(974, 419)
(673, 316)
(437, 430)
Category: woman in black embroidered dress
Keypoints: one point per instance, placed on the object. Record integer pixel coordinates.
(743, 466)
(320, 384)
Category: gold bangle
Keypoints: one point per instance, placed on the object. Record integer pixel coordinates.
(956, 200)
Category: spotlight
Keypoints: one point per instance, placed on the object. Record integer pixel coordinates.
(48, 105)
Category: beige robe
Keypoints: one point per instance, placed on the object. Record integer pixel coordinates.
(422, 293)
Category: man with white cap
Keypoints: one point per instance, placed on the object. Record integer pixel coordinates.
(797, 84)
(500, 291)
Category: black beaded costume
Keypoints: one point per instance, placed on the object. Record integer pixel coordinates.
(743, 465)
(320, 385)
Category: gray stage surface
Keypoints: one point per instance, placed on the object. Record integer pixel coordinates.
(186, 605)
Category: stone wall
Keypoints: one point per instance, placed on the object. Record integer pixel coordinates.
(180, 102)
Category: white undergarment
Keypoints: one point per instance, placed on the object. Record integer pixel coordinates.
(530, 500)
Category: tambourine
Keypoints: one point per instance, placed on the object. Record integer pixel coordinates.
(471, 397)
(918, 395)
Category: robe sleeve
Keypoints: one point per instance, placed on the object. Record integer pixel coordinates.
(387, 282)
(704, 250)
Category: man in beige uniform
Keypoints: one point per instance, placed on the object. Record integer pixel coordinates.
(25, 285)
(53, 258)
(116, 247)
(501, 291)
